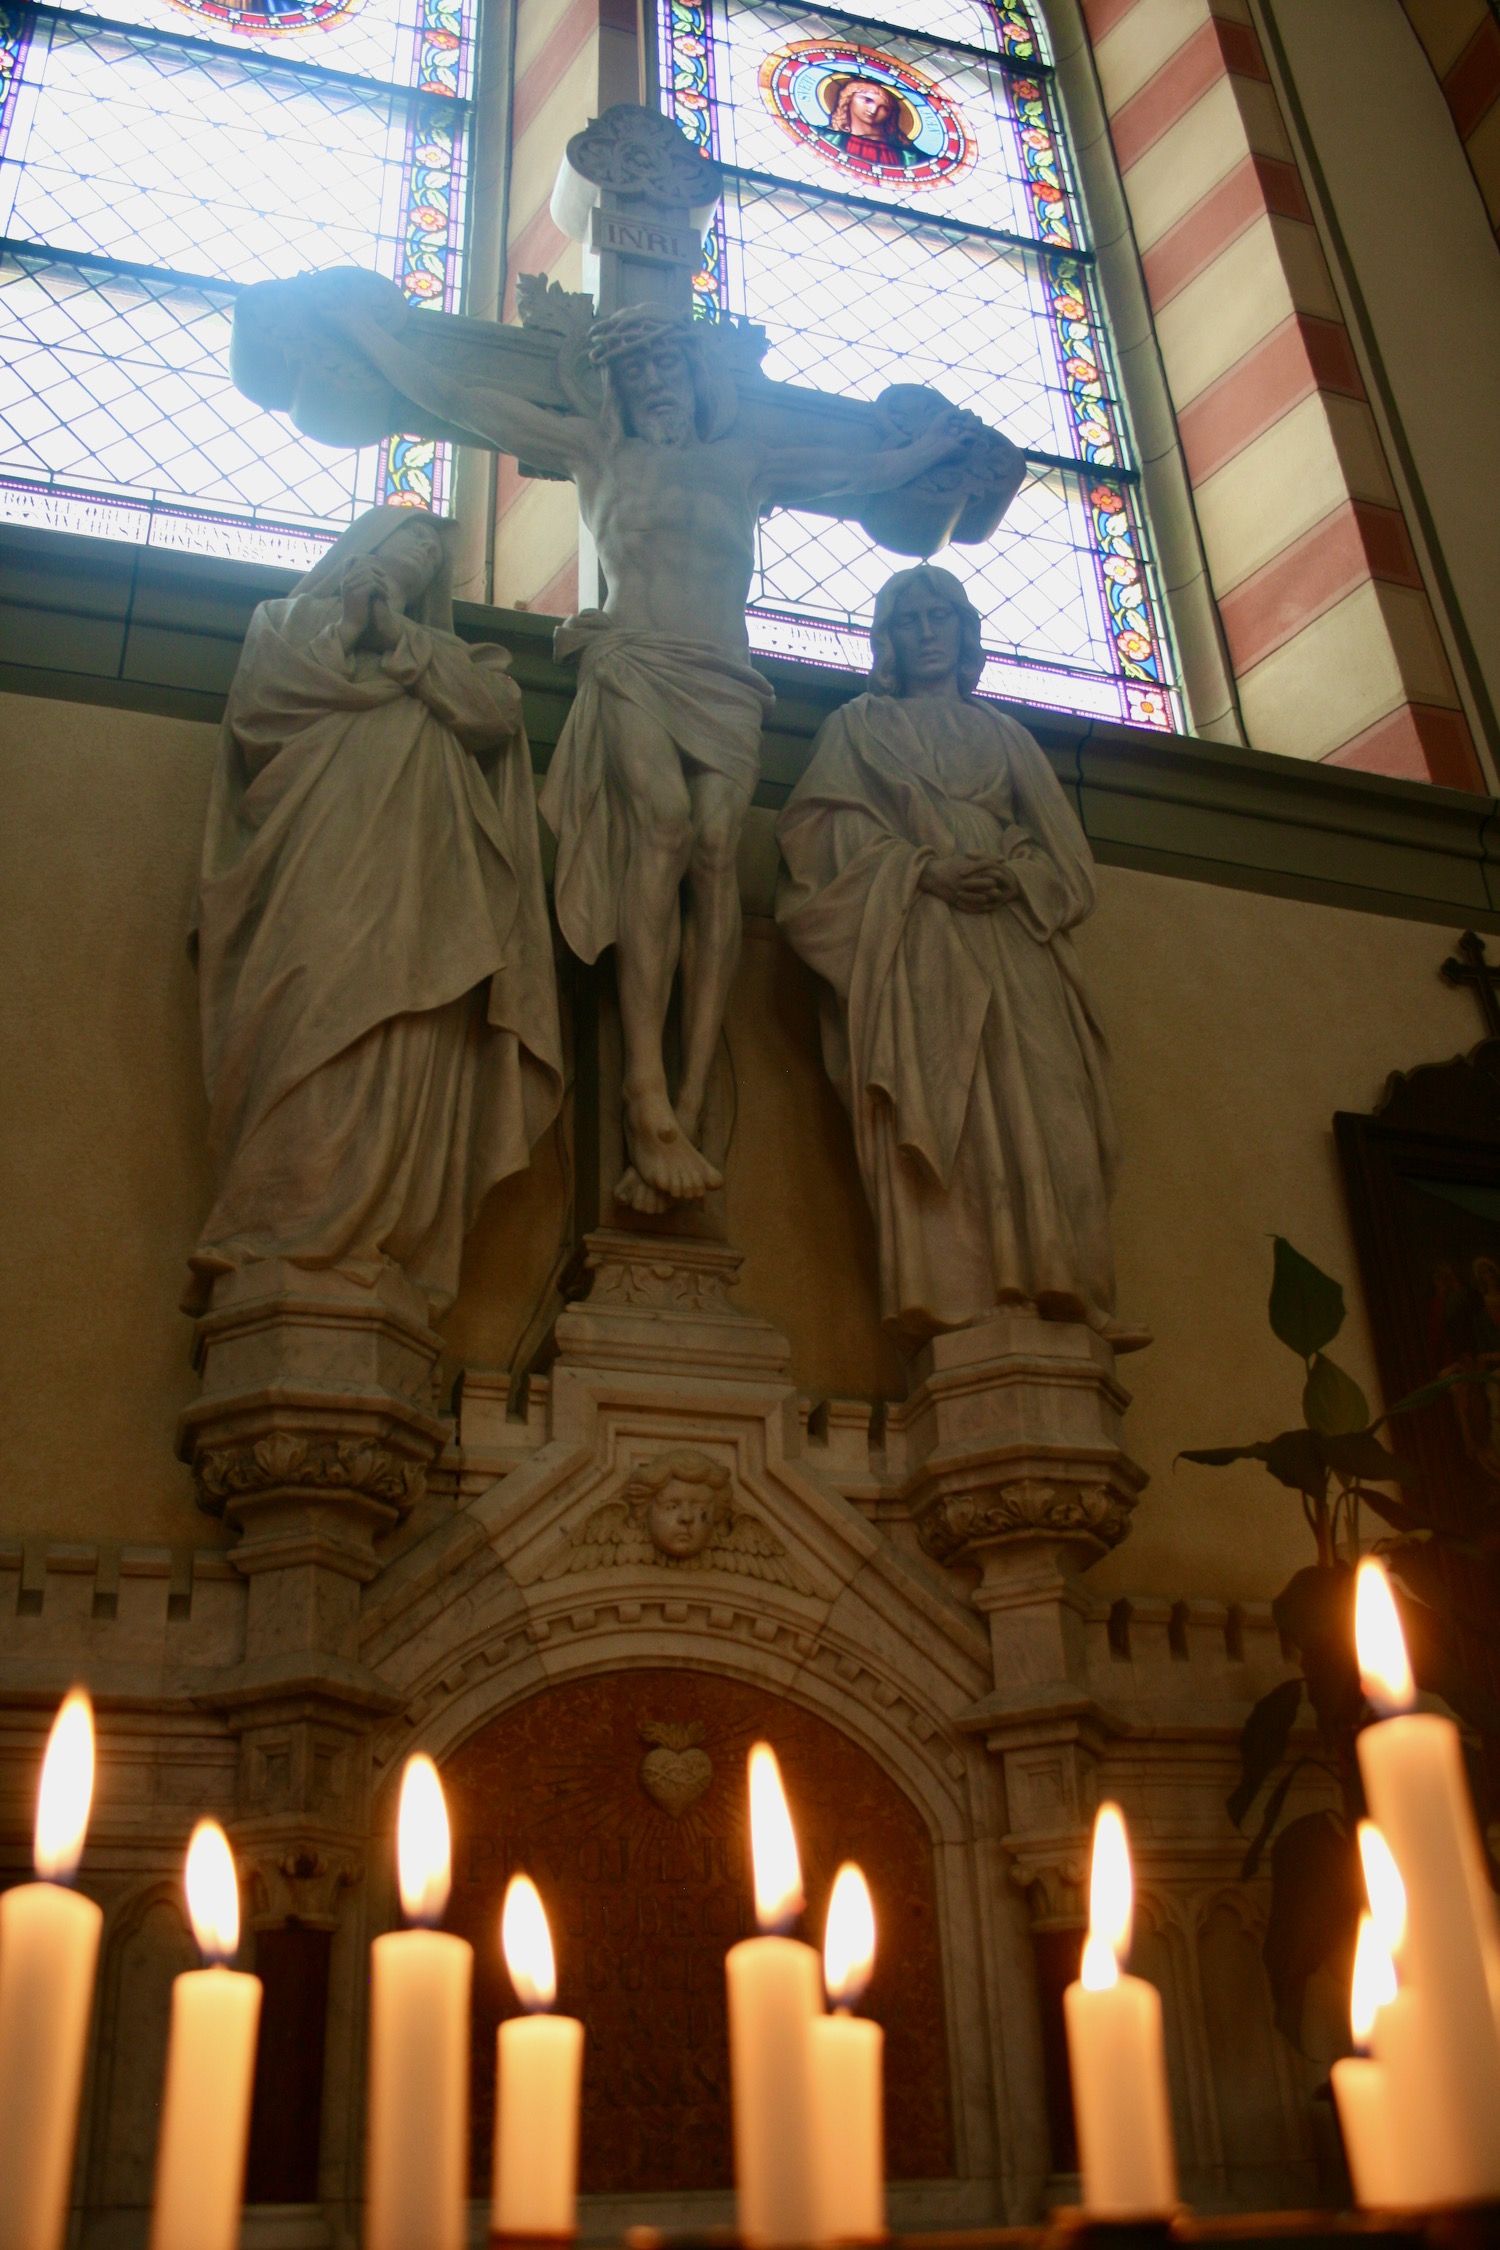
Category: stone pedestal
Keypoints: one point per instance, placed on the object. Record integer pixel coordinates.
(661, 1302)
(1011, 1452)
(311, 1439)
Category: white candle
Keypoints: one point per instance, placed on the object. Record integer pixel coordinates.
(200, 2162)
(416, 2156)
(49, 1945)
(1116, 2053)
(1413, 1773)
(773, 1998)
(538, 2066)
(1361, 2087)
(846, 2064)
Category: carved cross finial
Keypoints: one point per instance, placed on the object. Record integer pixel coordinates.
(1471, 967)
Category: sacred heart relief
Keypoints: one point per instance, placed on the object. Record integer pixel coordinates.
(676, 1772)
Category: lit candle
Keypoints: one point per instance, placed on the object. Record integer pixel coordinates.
(1361, 2086)
(200, 2163)
(773, 1998)
(848, 2136)
(538, 2064)
(1115, 2052)
(1449, 1955)
(49, 1944)
(1423, 2146)
(417, 2153)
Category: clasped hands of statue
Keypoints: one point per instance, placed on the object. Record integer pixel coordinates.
(372, 614)
(973, 882)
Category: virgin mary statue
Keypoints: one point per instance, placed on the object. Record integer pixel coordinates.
(933, 871)
(379, 1007)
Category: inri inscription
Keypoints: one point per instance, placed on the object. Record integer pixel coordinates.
(623, 1797)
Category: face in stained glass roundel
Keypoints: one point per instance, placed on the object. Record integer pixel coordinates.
(874, 117)
(257, 17)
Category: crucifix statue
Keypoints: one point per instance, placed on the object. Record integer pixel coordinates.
(1472, 967)
(677, 443)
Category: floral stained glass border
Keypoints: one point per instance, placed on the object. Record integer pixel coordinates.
(1131, 614)
(415, 472)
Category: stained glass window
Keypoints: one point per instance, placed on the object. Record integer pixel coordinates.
(901, 207)
(156, 156)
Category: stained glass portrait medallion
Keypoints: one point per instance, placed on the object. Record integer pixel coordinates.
(271, 18)
(876, 118)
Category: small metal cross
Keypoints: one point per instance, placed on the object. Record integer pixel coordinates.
(1473, 969)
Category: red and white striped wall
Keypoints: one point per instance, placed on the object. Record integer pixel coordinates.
(1462, 43)
(572, 59)
(1332, 637)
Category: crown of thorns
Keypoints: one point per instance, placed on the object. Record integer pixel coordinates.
(633, 329)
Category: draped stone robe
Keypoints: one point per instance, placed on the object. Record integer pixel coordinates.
(379, 1010)
(964, 1045)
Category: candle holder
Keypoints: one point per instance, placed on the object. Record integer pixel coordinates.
(1471, 2226)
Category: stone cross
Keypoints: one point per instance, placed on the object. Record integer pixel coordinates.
(637, 194)
(1472, 968)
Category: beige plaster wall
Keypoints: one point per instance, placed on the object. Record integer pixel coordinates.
(103, 1174)
(1239, 1022)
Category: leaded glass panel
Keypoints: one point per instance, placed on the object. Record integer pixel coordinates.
(901, 207)
(151, 166)
(397, 42)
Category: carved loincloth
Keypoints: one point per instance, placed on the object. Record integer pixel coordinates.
(711, 706)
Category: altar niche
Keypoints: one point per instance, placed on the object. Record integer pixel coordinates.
(623, 1796)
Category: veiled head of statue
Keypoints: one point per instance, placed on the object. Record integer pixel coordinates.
(925, 630)
(416, 552)
(658, 382)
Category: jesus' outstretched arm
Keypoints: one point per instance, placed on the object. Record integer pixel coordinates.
(814, 472)
(511, 424)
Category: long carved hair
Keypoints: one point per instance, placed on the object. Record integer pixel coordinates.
(885, 672)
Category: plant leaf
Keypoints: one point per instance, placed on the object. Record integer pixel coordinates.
(1307, 1305)
(1295, 1459)
(1332, 1402)
(1315, 1901)
(1263, 1741)
(1315, 1612)
(1359, 1453)
(1437, 1389)
(1220, 1456)
(1275, 1804)
(1397, 1513)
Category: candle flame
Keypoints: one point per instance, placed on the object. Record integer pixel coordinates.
(773, 1845)
(1111, 1887)
(1384, 1667)
(527, 1943)
(1383, 1887)
(213, 1892)
(849, 1938)
(66, 1791)
(424, 1854)
(1374, 1982)
(1099, 1968)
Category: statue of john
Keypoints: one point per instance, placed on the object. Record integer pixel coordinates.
(650, 783)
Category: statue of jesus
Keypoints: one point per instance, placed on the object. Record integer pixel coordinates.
(658, 761)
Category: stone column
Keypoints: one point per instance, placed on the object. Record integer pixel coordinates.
(1011, 1449)
(311, 1439)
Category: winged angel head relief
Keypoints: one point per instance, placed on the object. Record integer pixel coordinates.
(677, 1512)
